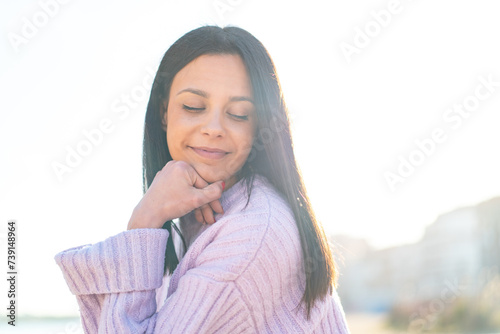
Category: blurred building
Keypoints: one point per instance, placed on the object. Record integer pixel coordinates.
(456, 255)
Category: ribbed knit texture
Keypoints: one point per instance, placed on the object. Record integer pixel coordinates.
(243, 274)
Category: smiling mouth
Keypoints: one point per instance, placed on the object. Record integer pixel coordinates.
(209, 153)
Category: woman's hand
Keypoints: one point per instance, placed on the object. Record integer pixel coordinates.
(176, 190)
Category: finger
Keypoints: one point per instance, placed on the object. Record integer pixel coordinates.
(213, 192)
(208, 214)
(201, 197)
(199, 183)
(196, 180)
(216, 206)
(199, 216)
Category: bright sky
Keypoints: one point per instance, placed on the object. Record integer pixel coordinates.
(355, 113)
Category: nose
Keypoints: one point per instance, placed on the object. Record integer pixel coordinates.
(213, 124)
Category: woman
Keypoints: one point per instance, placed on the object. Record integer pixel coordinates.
(217, 155)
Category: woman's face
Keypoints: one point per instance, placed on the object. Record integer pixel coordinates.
(210, 117)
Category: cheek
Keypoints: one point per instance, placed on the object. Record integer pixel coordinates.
(174, 138)
(170, 143)
(245, 142)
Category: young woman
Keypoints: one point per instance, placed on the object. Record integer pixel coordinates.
(218, 157)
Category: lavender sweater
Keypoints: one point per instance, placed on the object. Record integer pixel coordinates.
(242, 274)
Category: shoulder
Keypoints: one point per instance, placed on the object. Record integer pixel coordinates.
(264, 200)
(245, 233)
(279, 226)
(265, 212)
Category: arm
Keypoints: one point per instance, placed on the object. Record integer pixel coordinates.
(120, 273)
(117, 297)
(114, 280)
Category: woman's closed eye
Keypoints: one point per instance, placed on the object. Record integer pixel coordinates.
(197, 109)
(239, 117)
(188, 108)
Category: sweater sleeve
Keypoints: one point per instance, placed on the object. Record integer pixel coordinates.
(115, 281)
(118, 275)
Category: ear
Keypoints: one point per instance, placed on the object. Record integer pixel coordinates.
(163, 113)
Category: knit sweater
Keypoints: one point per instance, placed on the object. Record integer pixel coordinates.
(243, 274)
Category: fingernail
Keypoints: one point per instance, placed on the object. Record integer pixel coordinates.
(223, 185)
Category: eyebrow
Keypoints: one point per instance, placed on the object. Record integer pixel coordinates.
(206, 95)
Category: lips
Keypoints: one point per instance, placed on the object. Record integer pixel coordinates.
(209, 152)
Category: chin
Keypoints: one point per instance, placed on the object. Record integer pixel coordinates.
(211, 174)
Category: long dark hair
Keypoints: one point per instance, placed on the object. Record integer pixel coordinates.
(272, 153)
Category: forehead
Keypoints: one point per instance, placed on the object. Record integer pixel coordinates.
(216, 74)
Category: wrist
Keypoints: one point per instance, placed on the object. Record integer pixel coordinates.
(143, 219)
